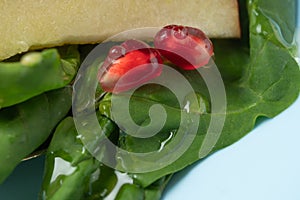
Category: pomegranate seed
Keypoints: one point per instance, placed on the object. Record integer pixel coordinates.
(186, 47)
(143, 62)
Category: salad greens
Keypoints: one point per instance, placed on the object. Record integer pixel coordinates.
(37, 72)
(83, 176)
(261, 79)
(25, 126)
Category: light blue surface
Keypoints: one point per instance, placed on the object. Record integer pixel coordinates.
(264, 165)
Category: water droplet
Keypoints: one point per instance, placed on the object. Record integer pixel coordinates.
(123, 178)
(163, 143)
(116, 52)
(61, 167)
(79, 136)
(83, 150)
(187, 106)
(258, 28)
(103, 193)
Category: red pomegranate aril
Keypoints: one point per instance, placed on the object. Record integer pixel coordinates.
(186, 47)
(129, 65)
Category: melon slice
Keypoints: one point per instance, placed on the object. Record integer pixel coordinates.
(31, 24)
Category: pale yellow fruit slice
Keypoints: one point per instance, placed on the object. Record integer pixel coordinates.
(31, 24)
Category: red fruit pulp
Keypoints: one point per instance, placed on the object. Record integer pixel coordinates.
(186, 47)
(129, 65)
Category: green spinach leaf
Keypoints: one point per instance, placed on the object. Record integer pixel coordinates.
(72, 173)
(36, 73)
(25, 126)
